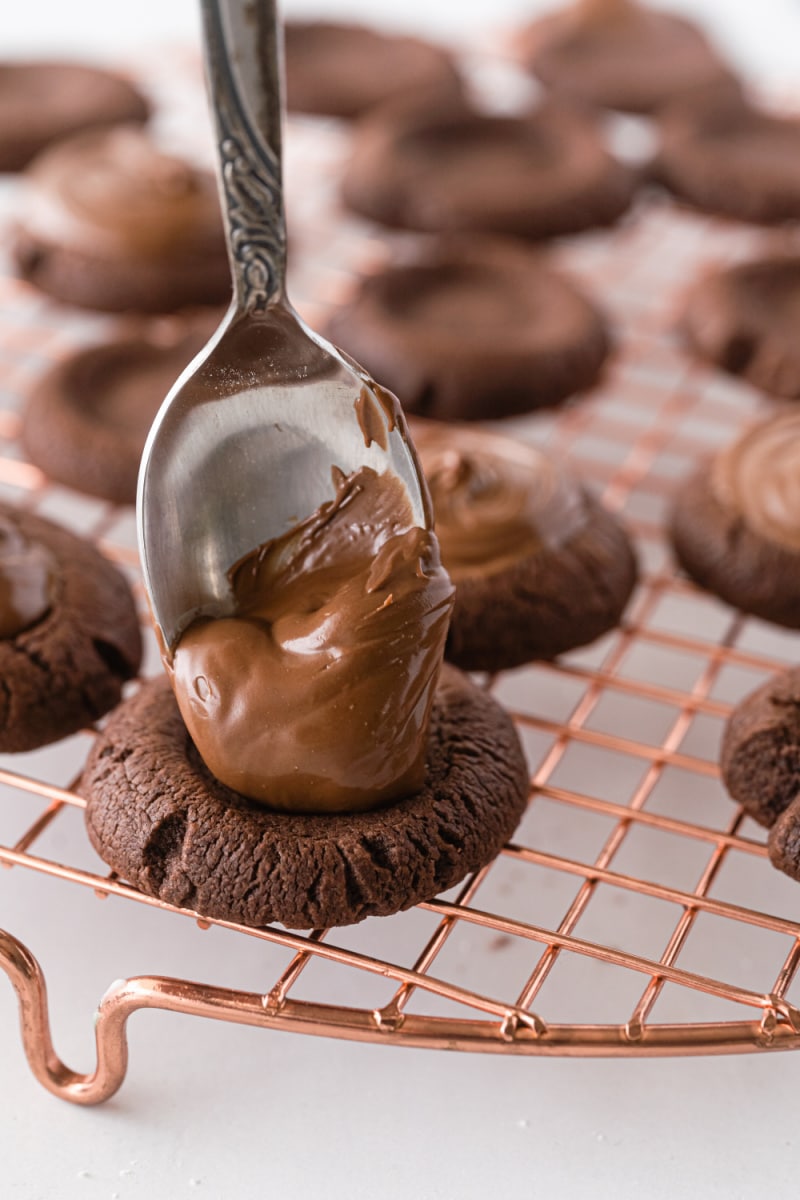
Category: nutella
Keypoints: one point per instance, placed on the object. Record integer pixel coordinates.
(376, 414)
(28, 574)
(759, 477)
(314, 694)
(113, 193)
(495, 501)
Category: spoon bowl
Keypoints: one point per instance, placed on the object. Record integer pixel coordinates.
(244, 445)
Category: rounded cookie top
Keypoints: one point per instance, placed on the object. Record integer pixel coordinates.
(496, 501)
(69, 633)
(744, 319)
(731, 158)
(618, 55)
(736, 525)
(539, 566)
(758, 477)
(343, 70)
(43, 102)
(468, 328)
(86, 421)
(110, 221)
(760, 764)
(157, 815)
(450, 169)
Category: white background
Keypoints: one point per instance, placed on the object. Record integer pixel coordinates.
(211, 1110)
(764, 35)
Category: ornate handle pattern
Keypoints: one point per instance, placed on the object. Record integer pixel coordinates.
(243, 70)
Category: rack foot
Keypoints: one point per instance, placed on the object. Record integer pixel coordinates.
(112, 1051)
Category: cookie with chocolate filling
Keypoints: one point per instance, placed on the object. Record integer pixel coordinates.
(43, 102)
(728, 157)
(540, 567)
(450, 169)
(160, 818)
(69, 633)
(343, 70)
(110, 222)
(761, 764)
(736, 525)
(744, 319)
(473, 329)
(617, 54)
(86, 421)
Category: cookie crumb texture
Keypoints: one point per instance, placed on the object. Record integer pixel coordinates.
(721, 553)
(761, 764)
(67, 669)
(164, 823)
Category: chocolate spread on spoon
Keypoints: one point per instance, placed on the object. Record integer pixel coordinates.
(314, 695)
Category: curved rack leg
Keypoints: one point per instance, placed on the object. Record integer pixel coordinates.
(122, 998)
(112, 1049)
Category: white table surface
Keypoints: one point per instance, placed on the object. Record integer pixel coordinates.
(213, 1110)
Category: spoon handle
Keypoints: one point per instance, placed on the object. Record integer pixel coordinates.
(243, 53)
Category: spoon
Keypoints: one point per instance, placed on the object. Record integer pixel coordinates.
(243, 447)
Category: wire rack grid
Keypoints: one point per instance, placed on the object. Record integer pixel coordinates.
(635, 912)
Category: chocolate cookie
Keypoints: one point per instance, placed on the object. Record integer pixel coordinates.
(449, 169)
(86, 421)
(473, 329)
(110, 222)
(761, 764)
(539, 566)
(736, 525)
(620, 55)
(343, 70)
(69, 633)
(745, 320)
(42, 102)
(731, 158)
(158, 816)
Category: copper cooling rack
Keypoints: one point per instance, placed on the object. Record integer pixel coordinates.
(635, 911)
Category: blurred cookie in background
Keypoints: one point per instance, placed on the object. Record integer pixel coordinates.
(470, 328)
(86, 420)
(730, 157)
(617, 54)
(109, 221)
(42, 102)
(745, 320)
(452, 169)
(343, 70)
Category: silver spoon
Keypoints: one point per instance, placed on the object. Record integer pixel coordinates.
(243, 446)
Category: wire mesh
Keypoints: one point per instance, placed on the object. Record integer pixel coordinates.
(635, 910)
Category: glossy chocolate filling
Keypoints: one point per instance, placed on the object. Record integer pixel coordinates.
(315, 694)
(28, 574)
(114, 193)
(759, 477)
(496, 501)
